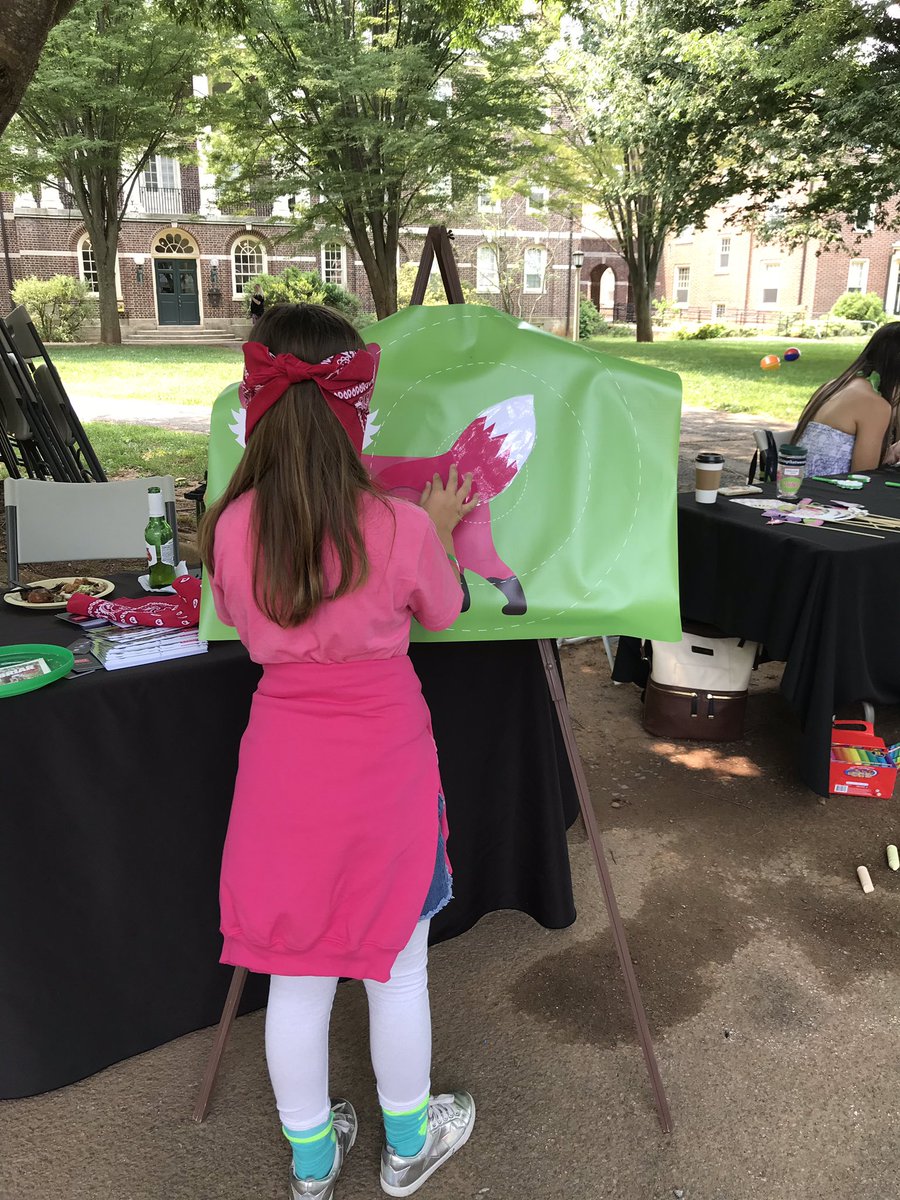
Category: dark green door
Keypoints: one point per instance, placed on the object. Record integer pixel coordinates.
(176, 291)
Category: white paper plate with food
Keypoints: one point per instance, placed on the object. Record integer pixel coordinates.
(50, 595)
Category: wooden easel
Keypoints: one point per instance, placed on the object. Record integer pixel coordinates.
(438, 244)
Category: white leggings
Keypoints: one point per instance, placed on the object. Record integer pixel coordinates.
(297, 1023)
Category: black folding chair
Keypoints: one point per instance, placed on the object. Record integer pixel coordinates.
(55, 398)
(27, 452)
(50, 449)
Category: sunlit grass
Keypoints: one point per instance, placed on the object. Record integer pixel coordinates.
(162, 374)
(724, 373)
(145, 450)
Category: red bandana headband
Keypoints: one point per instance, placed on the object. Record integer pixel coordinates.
(346, 380)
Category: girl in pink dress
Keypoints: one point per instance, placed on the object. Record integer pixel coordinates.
(335, 857)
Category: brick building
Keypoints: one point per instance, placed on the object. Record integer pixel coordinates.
(184, 263)
(724, 273)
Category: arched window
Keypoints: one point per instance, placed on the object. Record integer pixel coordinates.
(248, 259)
(87, 264)
(172, 243)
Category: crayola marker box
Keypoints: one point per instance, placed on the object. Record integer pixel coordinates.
(861, 764)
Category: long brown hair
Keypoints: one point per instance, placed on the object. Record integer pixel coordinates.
(306, 477)
(880, 357)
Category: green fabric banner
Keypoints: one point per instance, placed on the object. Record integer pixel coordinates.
(575, 456)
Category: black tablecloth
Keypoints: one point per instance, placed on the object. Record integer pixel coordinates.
(115, 795)
(823, 602)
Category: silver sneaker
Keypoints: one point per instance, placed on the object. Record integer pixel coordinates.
(450, 1121)
(345, 1127)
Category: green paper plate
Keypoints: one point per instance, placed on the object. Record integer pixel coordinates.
(59, 660)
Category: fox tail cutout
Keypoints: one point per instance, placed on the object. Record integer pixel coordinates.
(493, 447)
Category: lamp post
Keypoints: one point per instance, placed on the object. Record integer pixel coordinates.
(577, 263)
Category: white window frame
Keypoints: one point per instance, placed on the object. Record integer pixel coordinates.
(240, 280)
(538, 210)
(723, 260)
(83, 242)
(719, 316)
(542, 252)
(892, 298)
(326, 246)
(487, 282)
(157, 186)
(863, 275)
(768, 269)
(487, 203)
(869, 224)
(682, 272)
(84, 245)
(685, 235)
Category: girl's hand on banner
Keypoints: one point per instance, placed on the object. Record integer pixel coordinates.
(448, 504)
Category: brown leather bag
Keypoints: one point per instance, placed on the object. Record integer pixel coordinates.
(693, 715)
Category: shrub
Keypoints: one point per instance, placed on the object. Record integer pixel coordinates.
(703, 333)
(59, 306)
(591, 322)
(664, 311)
(621, 330)
(294, 286)
(434, 292)
(859, 306)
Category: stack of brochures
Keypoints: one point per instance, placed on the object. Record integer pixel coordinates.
(115, 647)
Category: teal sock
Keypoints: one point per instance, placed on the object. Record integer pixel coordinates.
(314, 1149)
(405, 1131)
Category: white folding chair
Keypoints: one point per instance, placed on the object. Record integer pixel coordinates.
(61, 522)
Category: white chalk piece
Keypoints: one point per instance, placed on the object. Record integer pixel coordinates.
(865, 879)
(893, 858)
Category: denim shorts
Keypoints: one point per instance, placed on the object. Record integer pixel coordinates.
(440, 893)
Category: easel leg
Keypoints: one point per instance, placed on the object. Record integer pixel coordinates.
(232, 1000)
(554, 682)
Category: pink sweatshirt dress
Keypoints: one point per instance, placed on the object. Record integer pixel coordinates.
(331, 843)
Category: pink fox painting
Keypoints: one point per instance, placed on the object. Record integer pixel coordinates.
(494, 447)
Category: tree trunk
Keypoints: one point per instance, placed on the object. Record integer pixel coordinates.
(383, 282)
(24, 25)
(379, 260)
(641, 295)
(642, 277)
(106, 245)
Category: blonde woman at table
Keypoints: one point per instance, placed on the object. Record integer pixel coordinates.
(335, 857)
(849, 422)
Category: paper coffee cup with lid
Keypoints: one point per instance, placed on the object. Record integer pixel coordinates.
(709, 476)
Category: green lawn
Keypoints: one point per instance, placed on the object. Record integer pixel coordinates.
(144, 450)
(724, 373)
(170, 374)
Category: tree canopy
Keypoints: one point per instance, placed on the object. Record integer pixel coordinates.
(833, 144)
(654, 124)
(373, 115)
(112, 89)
